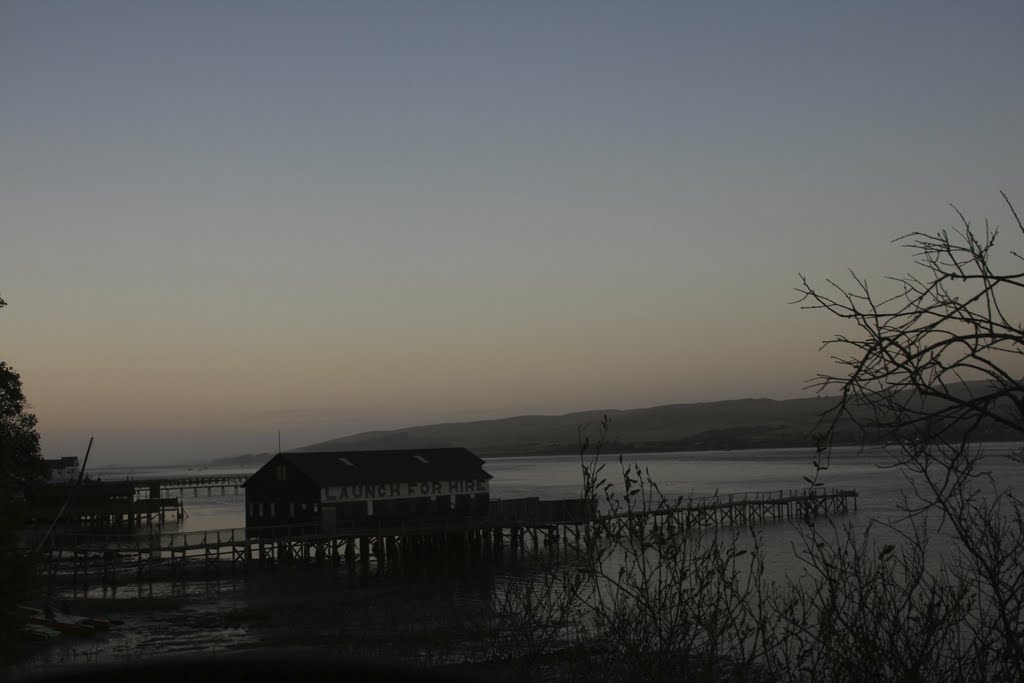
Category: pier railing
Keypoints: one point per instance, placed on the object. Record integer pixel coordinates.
(223, 484)
(191, 540)
(118, 557)
(747, 506)
(751, 499)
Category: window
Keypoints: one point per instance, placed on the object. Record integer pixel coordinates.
(281, 472)
(291, 509)
(316, 507)
(271, 509)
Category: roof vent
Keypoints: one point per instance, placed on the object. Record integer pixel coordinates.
(421, 459)
(346, 461)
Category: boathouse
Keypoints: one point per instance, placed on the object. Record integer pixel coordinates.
(336, 489)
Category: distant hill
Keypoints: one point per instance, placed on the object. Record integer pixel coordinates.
(725, 425)
(245, 460)
(744, 423)
(721, 425)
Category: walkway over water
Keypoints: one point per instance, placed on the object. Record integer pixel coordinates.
(124, 557)
(223, 485)
(751, 507)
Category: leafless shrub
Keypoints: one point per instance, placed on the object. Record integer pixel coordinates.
(934, 367)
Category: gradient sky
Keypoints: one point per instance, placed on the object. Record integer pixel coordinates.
(220, 219)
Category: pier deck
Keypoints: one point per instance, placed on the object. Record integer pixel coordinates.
(123, 556)
(226, 484)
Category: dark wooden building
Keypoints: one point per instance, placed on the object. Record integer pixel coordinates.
(339, 488)
(62, 470)
(94, 503)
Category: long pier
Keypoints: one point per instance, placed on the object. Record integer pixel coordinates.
(113, 559)
(126, 503)
(99, 504)
(227, 484)
(751, 507)
(119, 558)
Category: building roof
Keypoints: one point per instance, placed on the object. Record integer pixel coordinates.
(377, 467)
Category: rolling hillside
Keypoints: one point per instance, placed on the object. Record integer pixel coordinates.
(745, 423)
(722, 425)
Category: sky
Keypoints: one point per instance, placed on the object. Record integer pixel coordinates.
(223, 219)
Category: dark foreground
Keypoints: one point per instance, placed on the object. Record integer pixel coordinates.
(433, 615)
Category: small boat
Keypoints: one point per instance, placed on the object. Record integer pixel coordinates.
(59, 622)
(64, 624)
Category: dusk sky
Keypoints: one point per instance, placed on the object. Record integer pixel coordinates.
(221, 219)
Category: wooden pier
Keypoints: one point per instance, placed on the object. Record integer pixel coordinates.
(99, 505)
(204, 553)
(223, 485)
(127, 514)
(752, 507)
(120, 558)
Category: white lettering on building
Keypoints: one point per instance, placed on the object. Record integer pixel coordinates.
(419, 489)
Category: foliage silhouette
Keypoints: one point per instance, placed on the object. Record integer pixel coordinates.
(931, 364)
(20, 464)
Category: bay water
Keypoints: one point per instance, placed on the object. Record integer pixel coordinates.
(337, 608)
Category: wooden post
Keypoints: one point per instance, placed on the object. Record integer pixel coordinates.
(364, 549)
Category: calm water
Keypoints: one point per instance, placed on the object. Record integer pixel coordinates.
(289, 606)
(694, 474)
(677, 474)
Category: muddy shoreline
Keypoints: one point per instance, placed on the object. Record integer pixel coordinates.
(430, 615)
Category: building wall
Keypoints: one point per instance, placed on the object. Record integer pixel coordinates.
(63, 474)
(63, 470)
(279, 494)
(340, 513)
(407, 490)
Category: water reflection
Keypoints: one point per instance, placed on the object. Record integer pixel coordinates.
(423, 606)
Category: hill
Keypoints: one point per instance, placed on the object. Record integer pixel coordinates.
(722, 425)
(737, 424)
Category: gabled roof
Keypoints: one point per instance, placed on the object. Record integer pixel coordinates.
(378, 467)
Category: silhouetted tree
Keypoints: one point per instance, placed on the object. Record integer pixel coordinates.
(20, 457)
(933, 365)
(20, 463)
